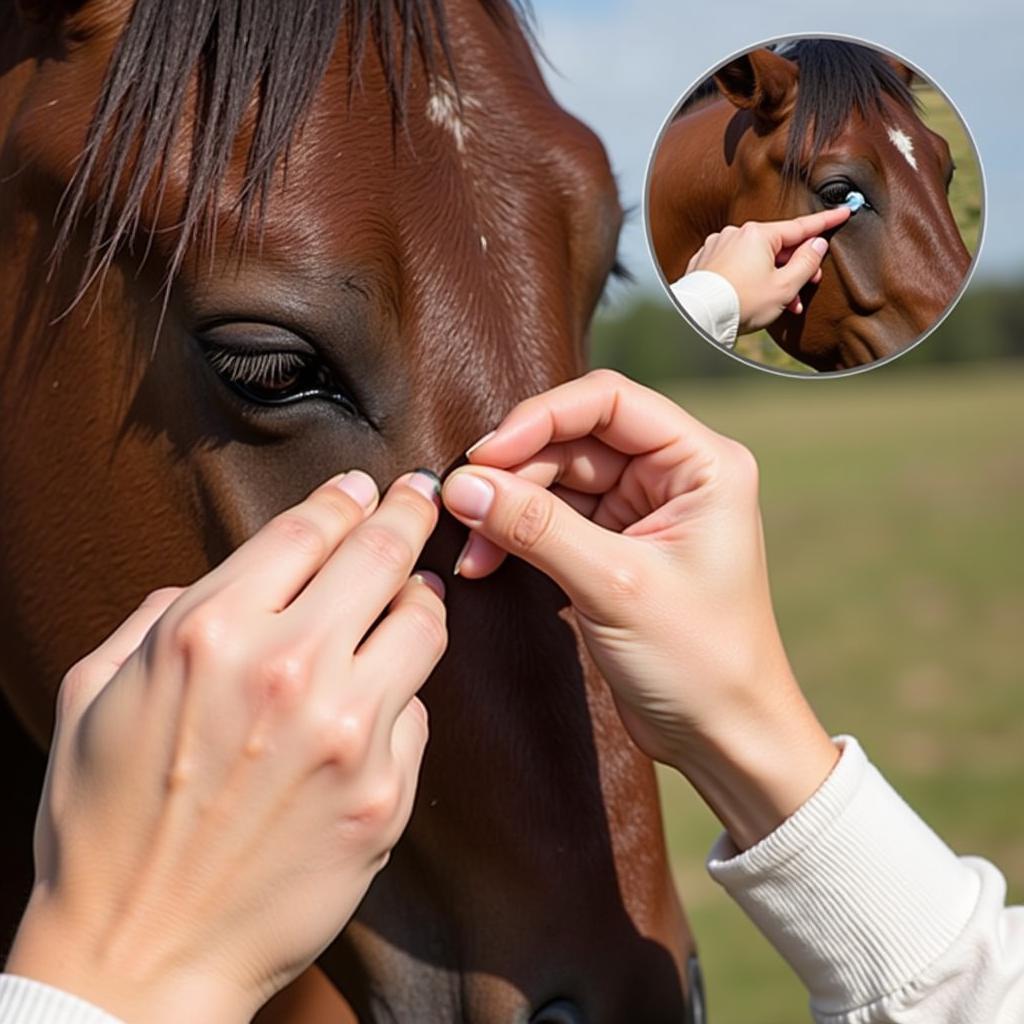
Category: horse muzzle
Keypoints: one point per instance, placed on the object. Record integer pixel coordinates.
(564, 1011)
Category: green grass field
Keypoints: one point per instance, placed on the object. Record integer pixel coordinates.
(892, 507)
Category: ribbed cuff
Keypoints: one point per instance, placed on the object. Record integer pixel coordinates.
(26, 1001)
(712, 301)
(854, 890)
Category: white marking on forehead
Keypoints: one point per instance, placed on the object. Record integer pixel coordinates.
(904, 143)
(443, 110)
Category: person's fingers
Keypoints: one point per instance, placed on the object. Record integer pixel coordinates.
(529, 521)
(408, 743)
(278, 561)
(409, 738)
(584, 464)
(793, 233)
(369, 568)
(784, 257)
(803, 265)
(585, 504)
(624, 415)
(479, 557)
(96, 669)
(409, 641)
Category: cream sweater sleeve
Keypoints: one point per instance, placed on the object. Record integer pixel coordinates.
(878, 917)
(712, 302)
(25, 1001)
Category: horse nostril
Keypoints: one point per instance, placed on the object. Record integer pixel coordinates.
(561, 1011)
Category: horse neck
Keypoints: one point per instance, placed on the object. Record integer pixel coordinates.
(692, 184)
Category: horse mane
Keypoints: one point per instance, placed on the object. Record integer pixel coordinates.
(836, 78)
(237, 50)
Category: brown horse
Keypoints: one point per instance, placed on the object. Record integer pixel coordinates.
(776, 134)
(248, 245)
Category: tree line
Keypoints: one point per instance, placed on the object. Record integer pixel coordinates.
(644, 337)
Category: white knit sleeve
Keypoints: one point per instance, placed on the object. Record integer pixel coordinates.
(26, 1001)
(712, 302)
(878, 917)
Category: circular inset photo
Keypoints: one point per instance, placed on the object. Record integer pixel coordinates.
(815, 205)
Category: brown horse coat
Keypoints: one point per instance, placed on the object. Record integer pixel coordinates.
(426, 275)
(780, 134)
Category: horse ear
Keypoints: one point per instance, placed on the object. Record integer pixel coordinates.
(905, 73)
(760, 81)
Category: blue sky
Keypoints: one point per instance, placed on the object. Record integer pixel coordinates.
(620, 65)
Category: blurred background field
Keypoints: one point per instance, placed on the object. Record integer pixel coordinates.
(892, 499)
(892, 504)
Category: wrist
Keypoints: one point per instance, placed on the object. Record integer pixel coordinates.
(53, 951)
(758, 768)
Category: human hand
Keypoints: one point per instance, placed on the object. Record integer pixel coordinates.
(230, 769)
(652, 528)
(769, 263)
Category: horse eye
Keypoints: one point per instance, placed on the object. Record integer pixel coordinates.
(834, 193)
(275, 376)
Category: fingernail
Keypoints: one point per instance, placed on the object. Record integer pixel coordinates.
(359, 486)
(820, 246)
(469, 495)
(431, 579)
(483, 440)
(462, 555)
(425, 482)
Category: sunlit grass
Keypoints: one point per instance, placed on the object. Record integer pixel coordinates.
(892, 507)
(965, 192)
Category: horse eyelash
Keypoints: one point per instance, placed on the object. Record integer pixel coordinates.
(269, 368)
(277, 370)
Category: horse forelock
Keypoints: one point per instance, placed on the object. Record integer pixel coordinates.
(837, 80)
(236, 68)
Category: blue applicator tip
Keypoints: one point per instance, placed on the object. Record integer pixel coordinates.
(855, 201)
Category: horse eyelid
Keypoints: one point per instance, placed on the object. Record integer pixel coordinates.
(240, 371)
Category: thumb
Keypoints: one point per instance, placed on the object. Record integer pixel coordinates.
(590, 563)
(802, 266)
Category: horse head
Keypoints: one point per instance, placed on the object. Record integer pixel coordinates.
(247, 246)
(796, 130)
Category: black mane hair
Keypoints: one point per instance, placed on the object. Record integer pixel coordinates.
(836, 78)
(273, 51)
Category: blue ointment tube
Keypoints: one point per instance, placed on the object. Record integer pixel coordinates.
(855, 201)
